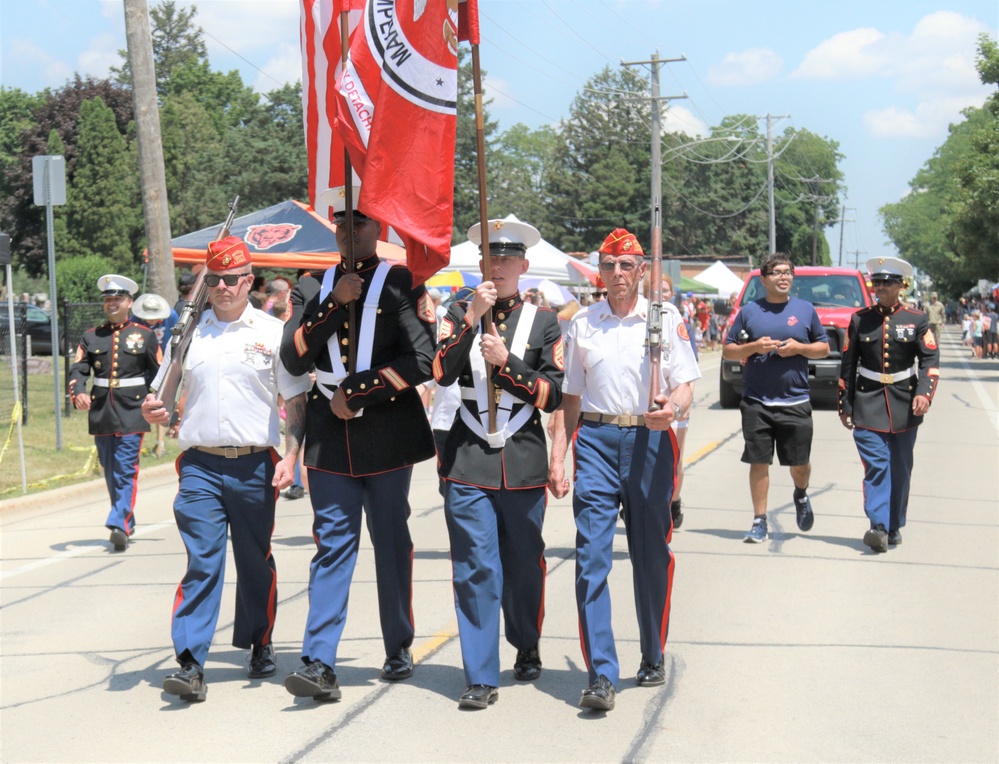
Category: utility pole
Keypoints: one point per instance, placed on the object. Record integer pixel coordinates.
(842, 220)
(147, 122)
(770, 179)
(856, 257)
(657, 163)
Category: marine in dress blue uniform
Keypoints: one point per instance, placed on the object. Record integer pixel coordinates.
(123, 357)
(624, 456)
(364, 432)
(229, 470)
(495, 480)
(888, 377)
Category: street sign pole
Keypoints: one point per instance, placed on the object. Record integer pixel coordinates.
(50, 188)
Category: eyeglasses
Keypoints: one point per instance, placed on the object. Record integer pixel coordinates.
(230, 279)
(782, 274)
(883, 281)
(626, 266)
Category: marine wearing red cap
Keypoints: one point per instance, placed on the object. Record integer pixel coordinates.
(226, 254)
(621, 242)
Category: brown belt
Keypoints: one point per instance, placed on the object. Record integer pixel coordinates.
(622, 420)
(230, 452)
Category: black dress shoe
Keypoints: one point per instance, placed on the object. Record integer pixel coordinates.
(527, 667)
(894, 538)
(599, 695)
(262, 662)
(478, 696)
(877, 538)
(188, 683)
(652, 674)
(316, 681)
(676, 510)
(119, 540)
(295, 492)
(398, 666)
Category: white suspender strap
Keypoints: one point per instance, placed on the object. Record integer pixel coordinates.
(505, 426)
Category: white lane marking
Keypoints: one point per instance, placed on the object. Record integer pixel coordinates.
(76, 552)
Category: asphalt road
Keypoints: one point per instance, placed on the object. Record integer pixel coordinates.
(806, 648)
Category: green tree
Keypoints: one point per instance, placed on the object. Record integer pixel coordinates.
(176, 41)
(466, 173)
(599, 175)
(947, 224)
(102, 200)
(194, 159)
(53, 110)
(77, 276)
(976, 220)
(519, 164)
(267, 151)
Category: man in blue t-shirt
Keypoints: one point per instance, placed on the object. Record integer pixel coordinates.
(776, 336)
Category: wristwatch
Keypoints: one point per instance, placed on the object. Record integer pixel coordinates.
(676, 410)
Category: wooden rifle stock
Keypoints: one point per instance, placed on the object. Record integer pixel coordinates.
(655, 325)
(183, 330)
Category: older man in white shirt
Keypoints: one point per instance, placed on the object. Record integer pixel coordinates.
(230, 474)
(624, 456)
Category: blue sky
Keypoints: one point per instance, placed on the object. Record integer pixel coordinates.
(883, 78)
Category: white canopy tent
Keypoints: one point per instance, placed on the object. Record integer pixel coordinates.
(721, 277)
(546, 261)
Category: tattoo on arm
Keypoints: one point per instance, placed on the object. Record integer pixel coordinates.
(295, 423)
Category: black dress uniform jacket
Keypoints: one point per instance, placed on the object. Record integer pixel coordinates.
(115, 352)
(393, 431)
(887, 341)
(535, 379)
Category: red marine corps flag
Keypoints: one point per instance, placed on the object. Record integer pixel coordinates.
(397, 116)
(320, 39)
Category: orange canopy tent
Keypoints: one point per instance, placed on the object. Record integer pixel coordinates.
(286, 235)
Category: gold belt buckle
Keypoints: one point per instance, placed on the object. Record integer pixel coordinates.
(887, 379)
(113, 383)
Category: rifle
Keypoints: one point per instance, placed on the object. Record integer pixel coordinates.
(183, 331)
(655, 326)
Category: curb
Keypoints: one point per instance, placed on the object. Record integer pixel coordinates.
(92, 490)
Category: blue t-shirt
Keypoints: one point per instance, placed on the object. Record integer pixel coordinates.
(768, 377)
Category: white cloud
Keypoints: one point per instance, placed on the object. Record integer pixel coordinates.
(26, 53)
(747, 67)
(100, 56)
(931, 72)
(284, 67)
(679, 119)
(929, 119)
(849, 54)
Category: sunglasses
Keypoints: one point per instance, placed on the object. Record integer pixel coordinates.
(230, 279)
(626, 266)
(881, 281)
(599, 294)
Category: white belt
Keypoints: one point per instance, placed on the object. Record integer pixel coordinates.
(130, 382)
(886, 379)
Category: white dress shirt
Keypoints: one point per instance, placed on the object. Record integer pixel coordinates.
(607, 362)
(232, 377)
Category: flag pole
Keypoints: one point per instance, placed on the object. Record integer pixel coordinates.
(348, 189)
(480, 148)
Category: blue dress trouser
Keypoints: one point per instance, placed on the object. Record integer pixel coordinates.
(119, 458)
(887, 460)
(337, 501)
(219, 496)
(632, 467)
(497, 561)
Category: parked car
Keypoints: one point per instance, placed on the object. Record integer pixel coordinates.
(836, 293)
(38, 327)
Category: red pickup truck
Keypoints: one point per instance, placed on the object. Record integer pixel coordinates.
(836, 293)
